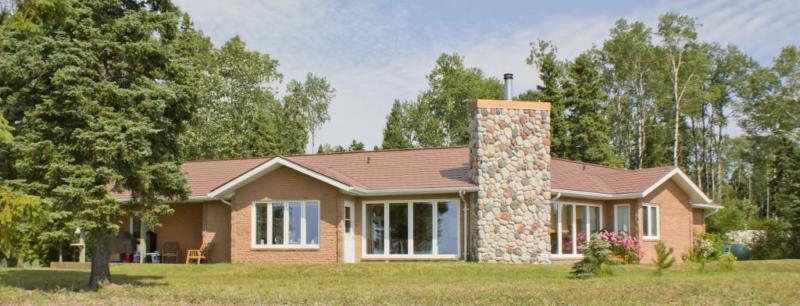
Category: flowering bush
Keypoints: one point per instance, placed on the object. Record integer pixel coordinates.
(624, 247)
(705, 248)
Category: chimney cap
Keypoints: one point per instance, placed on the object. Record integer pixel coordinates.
(508, 76)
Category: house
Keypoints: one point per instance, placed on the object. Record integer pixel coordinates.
(500, 199)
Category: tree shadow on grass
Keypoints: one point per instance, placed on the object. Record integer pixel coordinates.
(51, 280)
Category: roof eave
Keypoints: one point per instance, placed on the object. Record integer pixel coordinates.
(409, 191)
(597, 195)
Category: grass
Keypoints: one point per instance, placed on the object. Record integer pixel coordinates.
(752, 282)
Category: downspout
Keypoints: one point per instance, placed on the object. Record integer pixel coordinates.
(553, 201)
(464, 234)
(713, 212)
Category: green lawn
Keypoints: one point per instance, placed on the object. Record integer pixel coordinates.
(753, 282)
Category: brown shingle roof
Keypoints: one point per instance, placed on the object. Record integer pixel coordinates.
(418, 168)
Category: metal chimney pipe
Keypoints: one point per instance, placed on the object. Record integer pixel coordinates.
(508, 80)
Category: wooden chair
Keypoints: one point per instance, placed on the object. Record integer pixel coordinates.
(170, 250)
(198, 254)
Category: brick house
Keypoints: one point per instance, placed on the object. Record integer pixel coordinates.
(500, 199)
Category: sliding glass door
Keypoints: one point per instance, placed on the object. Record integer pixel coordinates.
(412, 229)
(571, 225)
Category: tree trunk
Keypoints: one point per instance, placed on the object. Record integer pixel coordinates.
(101, 275)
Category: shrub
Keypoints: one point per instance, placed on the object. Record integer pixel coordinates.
(774, 242)
(664, 259)
(597, 259)
(624, 247)
(706, 248)
(727, 260)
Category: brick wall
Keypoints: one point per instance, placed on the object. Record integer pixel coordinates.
(676, 220)
(284, 184)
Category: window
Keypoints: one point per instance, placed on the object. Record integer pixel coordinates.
(290, 224)
(622, 217)
(572, 225)
(374, 232)
(412, 229)
(650, 221)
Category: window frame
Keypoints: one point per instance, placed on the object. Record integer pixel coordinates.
(616, 224)
(647, 226)
(558, 253)
(410, 215)
(303, 228)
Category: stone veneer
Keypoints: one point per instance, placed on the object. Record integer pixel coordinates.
(510, 161)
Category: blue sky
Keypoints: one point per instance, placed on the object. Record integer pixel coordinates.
(373, 52)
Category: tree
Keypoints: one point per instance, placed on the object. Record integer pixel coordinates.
(354, 146)
(239, 113)
(583, 101)
(98, 93)
(679, 35)
(320, 94)
(664, 259)
(439, 116)
(22, 216)
(305, 109)
(552, 73)
(398, 132)
(630, 73)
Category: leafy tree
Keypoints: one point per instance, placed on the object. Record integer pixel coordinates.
(630, 72)
(320, 94)
(354, 146)
(439, 116)
(239, 113)
(98, 93)
(679, 35)
(305, 109)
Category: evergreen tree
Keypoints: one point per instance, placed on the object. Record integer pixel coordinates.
(98, 93)
(551, 72)
(588, 128)
(398, 132)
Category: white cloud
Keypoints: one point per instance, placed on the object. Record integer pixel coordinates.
(373, 56)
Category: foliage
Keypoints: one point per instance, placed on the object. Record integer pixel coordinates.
(22, 217)
(727, 261)
(305, 109)
(775, 242)
(98, 93)
(706, 247)
(624, 247)
(240, 114)
(597, 259)
(587, 136)
(664, 259)
(439, 116)
(354, 146)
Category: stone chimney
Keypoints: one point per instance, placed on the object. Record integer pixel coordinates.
(510, 162)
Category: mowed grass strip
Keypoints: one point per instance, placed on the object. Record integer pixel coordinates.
(751, 282)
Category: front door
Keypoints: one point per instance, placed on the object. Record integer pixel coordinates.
(349, 239)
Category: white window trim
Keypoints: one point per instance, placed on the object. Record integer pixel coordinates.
(657, 235)
(434, 248)
(616, 224)
(574, 229)
(303, 245)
